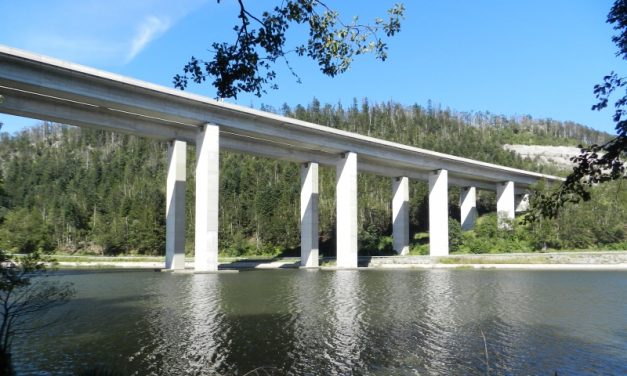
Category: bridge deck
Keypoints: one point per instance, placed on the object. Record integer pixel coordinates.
(49, 89)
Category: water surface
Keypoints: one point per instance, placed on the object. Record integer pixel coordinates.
(371, 322)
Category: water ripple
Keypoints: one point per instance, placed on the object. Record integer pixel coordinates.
(301, 322)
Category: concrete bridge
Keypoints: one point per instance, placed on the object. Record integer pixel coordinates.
(48, 89)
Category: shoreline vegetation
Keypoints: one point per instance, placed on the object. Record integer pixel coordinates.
(84, 191)
(562, 260)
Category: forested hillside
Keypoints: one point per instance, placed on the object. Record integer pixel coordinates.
(70, 189)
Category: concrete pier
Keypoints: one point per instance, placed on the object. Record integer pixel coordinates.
(207, 197)
(309, 215)
(468, 207)
(400, 215)
(505, 203)
(346, 196)
(44, 88)
(438, 213)
(522, 202)
(175, 206)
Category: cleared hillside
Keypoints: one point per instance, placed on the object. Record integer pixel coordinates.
(559, 156)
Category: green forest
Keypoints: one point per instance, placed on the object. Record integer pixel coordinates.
(70, 190)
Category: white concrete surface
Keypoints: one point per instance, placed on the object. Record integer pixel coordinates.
(346, 196)
(522, 202)
(400, 215)
(438, 213)
(468, 207)
(505, 203)
(207, 198)
(175, 205)
(309, 215)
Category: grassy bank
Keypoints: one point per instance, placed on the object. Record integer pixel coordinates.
(576, 258)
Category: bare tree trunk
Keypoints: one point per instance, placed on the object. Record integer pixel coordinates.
(6, 368)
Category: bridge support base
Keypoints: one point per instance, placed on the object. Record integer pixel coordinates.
(346, 196)
(309, 215)
(505, 204)
(522, 202)
(175, 206)
(400, 215)
(468, 207)
(207, 197)
(438, 213)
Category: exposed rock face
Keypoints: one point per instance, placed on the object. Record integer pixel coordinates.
(558, 155)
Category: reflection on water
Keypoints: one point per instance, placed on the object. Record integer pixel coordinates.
(184, 327)
(337, 322)
(345, 342)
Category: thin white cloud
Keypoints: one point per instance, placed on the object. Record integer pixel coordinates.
(152, 27)
(92, 32)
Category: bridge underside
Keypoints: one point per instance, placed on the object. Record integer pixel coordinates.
(52, 90)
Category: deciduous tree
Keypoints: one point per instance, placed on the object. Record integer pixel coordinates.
(247, 63)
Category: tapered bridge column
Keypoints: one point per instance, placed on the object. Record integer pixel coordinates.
(400, 215)
(309, 215)
(438, 213)
(346, 196)
(505, 203)
(468, 207)
(207, 197)
(175, 206)
(522, 202)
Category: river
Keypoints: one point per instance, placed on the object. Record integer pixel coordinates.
(348, 322)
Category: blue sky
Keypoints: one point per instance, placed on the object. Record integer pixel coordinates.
(540, 58)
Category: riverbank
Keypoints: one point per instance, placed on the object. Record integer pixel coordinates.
(592, 260)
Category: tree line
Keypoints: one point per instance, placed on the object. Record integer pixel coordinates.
(68, 189)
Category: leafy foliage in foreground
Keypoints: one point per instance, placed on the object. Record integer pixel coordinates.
(246, 64)
(69, 189)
